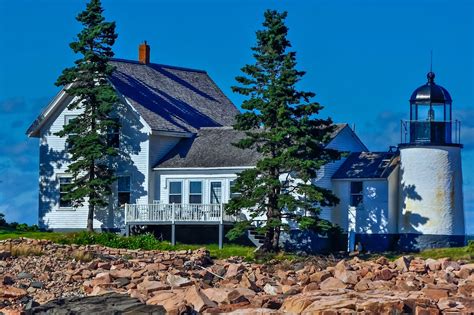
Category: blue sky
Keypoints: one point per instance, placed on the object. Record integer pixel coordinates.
(362, 58)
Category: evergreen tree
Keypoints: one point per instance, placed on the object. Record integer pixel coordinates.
(87, 81)
(281, 123)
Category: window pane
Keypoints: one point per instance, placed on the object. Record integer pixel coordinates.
(68, 119)
(175, 187)
(175, 198)
(356, 187)
(233, 194)
(123, 198)
(195, 198)
(356, 200)
(216, 192)
(63, 185)
(195, 187)
(123, 183)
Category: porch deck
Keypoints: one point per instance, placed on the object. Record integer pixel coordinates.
(153, 214)
(178, 214)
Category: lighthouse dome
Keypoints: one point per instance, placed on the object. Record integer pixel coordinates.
(430, 93)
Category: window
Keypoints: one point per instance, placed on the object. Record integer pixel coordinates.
(216, 192)
(70, 138)
(113, 134)
(123, 190)
(64, 184)
(232, 186)
(195, 192)
(356, 194)
(176, 192)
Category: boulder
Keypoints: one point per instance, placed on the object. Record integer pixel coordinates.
(332, 284)
(403, 263)
(121, 273)
(148, 287)
(233, 270)
(176, 281)
(272, 289)
(172, 300)
(343, 273)
(200, 301)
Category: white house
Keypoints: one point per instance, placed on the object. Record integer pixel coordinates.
(177, 162)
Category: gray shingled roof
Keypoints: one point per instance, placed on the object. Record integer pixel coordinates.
(367, 165)
(211, 147)
(171, 98)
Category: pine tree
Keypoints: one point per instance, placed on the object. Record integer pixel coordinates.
(87, 81)
(281, 123)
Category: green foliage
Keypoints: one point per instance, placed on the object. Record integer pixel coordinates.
(91, 169)
(282, 123)
(3, 222)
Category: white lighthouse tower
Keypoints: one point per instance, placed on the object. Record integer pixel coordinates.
(431, 198)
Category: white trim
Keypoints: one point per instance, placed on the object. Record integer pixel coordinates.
(44, 116)
(201, 168)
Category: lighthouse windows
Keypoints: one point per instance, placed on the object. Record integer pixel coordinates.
(356, 194)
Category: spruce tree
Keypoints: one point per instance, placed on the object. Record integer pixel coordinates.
(87, 81)
(282, 123)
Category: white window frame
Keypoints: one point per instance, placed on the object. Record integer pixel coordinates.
(194, 194)
(67, 120)
(124, 191)
(353, 194)
(220, 181)
(70, 208)
(173, 180)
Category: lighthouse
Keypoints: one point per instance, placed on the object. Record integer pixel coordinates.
(431, 212)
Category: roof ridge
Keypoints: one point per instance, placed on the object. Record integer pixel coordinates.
(216, 127)
(158, 64)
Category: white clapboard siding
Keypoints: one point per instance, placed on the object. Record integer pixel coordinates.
(134, 142)
(159, 146)
(346, 141)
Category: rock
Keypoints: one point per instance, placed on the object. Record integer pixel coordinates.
(148, 287)
(466, 289)
(435, 294)
(319, 276)
(37, 284)
(272, 289)
(121, 273)
(176, 281)
(111, 303)
(403, 263)
(343, 273)
(247, 283)
(218, 295)
(24, 275)
(465, 271)
(101, 278)
(11, 292)
(311, 287)
(382, 261)
(171, 300)
(233, 270)
(4, 254)
(384, 274)
(199, 300)
(332, 284)
(417, 265)
(433, 264)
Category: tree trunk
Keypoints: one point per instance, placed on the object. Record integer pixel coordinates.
(90, 219)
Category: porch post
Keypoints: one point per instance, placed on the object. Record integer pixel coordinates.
(173, 226)
(221, 228)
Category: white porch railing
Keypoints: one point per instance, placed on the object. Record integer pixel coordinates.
(173, 213)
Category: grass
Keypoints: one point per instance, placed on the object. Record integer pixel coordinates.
(455, 253)
(145, 242)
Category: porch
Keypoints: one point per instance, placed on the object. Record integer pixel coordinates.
(178, 214)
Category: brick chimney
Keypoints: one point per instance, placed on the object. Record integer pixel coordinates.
(144, 53)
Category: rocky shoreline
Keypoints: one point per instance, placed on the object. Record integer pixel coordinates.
(40, 277)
